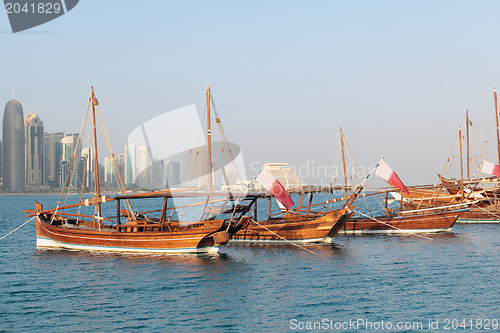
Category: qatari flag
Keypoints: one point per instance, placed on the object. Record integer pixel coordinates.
(272, 184)
(384, 171)
(490, 168)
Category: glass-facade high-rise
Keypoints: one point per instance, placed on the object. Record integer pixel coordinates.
(1, 163)
(87, 166)
(13, 147)
(70, 146)
(129, 165)
(110, 172)
(33, 147)
(52, 155)
(173, 171)
(144, 168)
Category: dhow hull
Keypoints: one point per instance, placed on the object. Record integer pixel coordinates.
(207, 240)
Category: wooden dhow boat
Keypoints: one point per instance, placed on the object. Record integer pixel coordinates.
(139, 232)
(472, 188)
(400, 219)
(158, 230)
(486, 207)
(308, 223)
(481, 193)
(302, 225)
(485, 191)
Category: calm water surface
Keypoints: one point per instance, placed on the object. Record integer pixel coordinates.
(404, 279)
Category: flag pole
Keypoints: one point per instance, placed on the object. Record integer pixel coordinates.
(250, 184)
(467, 130)
(461, 163)
(375, 167)
(496, 118)
(359, 188)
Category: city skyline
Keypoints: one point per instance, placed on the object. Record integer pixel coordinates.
(59, 160)
(48, 159)
(135, 164)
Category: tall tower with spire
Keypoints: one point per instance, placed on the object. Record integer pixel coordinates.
(13, 146)
(33, 134)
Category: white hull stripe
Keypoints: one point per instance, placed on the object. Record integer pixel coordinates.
(277, 241)
(392, 231)
(46, 242)
(478, 221)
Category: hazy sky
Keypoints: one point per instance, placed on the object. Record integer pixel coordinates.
(285, 75)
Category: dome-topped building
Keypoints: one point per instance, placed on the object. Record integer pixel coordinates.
(13, 147)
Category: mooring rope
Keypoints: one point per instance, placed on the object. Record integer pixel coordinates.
(389, 225)
(487, 211)
(18, 227)
(301, 247)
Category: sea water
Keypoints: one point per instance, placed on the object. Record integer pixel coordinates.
(359, 283)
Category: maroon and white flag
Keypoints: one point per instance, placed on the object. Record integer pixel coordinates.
(490, 168)
(384, 171)
(270, 182)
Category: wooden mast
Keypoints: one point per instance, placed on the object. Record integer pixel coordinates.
(343, 160)
(496, 118)
(209, 144)
(467, 142)
(461, 159)
(96, 163)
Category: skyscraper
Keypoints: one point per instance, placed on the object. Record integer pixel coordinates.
(121, 165)
(1, 164)
(87, 161)
(110, 172)
(129, 165)
(52, 154)
(13, 147)
(69, 147)
(200, 167)
(63, 173)
(33, 147)
(144, 167)
(173, 171)
(157, 175)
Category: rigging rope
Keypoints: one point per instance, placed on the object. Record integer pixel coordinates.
(110, 151)
(222, 133)
(487, 211)
(451, 155)
(482, 148)
(195, 139)
(17, 228)
(82, 130)
(389, 225)
(84, 174)
(293, 243)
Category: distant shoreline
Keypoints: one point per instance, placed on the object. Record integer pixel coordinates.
(50, 193)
